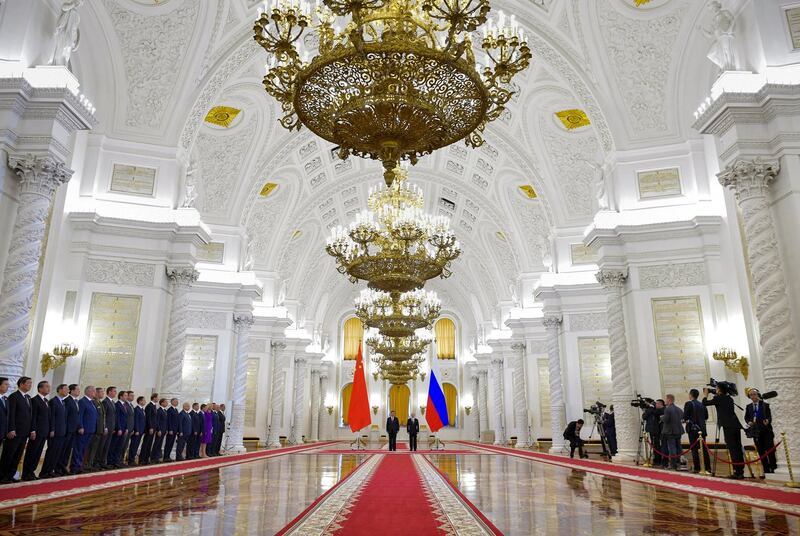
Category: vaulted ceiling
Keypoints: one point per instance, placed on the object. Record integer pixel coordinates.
(154, 69)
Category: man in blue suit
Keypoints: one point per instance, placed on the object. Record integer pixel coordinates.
(72, 412)
(87, 415)
(212, 448)
(197, 430)
(161, 431)
(121, 430)
(184, 433)
(3, 410)
(172, 429)
(58, 431)
(138, 430)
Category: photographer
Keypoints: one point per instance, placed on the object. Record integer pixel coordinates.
(695, 415)
(652, 418)
(758, 417)
(573, 434)
(728, 421)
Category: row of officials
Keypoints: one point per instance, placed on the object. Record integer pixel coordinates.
(101, 429)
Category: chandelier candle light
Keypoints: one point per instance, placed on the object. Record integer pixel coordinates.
(390, 80)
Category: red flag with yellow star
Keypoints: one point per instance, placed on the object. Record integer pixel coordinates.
(358, 413)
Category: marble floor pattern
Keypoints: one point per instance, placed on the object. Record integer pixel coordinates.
(519, 496)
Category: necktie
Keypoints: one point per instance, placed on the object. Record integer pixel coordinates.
(28, 399)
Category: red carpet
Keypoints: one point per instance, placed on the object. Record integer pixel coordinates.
(376, 451)
(736, 491)
(59, 487)
(394, 489)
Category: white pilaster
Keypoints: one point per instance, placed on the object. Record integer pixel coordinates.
(276, 398)
(476, 412)
(181, 279)
(315, 405)
(497, 401)
(242, 322)
(483, 400)
(552, 324)
(299, 400)
(324, 417)
(520, 396)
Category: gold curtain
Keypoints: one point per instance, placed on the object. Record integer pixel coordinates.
(346, 392)
(445, 339)
(451, 397)
(353, 333)
(398, 402)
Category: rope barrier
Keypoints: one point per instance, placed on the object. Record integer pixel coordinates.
(670, 456)
(770, 451)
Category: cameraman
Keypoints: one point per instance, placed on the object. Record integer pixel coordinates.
(652, 425)
(610, 430)
(695, 415)
(729, 422)
(573, 434)
(758, 417)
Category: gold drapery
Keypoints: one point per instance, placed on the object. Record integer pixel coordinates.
(346, 392)
(353, 333)
(445, 339)
(451, 397)
(398, 402)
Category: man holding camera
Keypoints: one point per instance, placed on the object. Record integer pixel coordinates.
(695, 415)
(758, 417)
(728, 421)
(573, 434)
(652, 425)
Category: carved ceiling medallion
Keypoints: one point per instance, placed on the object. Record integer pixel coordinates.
(222, 116)
(572, 119)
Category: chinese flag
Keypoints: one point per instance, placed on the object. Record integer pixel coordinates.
(358, 414)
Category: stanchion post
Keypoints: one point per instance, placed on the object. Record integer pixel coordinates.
(648, 449)
(702, 454)
(791, 483)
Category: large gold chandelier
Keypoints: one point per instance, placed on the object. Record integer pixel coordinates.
(398, 358)
(390, 80)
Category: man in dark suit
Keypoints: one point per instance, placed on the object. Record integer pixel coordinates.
(758, 417)
(128, 401)
(412, 427)
(120, 431)
(572, 433)
(73, 422)
(729, 422)
(137, 430)
(150, 424)
(19, 429)
(172, 429)
(88, 417)
(392, 427)
(197, 430)
(100, 433)
(161, 431)
(58, 426)
(215, 430)
(3, 410)
(40, 431)
(695, 415)
(184, 432)
(222, 419)
(114, 434)
(672, 430)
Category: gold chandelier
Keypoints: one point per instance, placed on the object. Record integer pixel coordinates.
(397, 315)
(390, 80)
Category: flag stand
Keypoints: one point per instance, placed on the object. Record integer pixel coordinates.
(357, 441)
(437, 444)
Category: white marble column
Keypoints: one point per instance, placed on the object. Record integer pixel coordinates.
(315, 405)
(299, 401)
(483, 400)
(626, 418)
(324, 417)
(476, 411)
(181, 279)
(780, 356)
(277, 395)
(40, 177)
(497, 401)
(241, 325)
(552, 324)
(520, 397)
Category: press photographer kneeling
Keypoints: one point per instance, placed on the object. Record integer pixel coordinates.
(728, 421)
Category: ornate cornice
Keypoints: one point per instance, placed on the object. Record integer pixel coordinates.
(612, 278)
(242, 321)
(39, 174)
(552, 321)
(182, 275)
(749, 178)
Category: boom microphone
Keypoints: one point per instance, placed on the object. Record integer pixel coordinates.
(769, 394)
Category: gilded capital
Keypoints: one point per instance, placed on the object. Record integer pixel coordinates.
(182, 275)
(612, 278)
(749, 178)
(39, 174)
(552, 321)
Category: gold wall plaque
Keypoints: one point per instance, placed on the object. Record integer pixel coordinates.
(199, 363)
(595, 361)
(222, 116)
(213, 252)
(682, 362)
(529, 192)
(267, 189)
(544, 395)
(793, 22)
(572, 119)
(110, 352)
(134, 180)
(581, 254)
(659, 183)
(251, 392)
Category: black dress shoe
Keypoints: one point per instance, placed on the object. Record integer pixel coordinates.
(29, 478)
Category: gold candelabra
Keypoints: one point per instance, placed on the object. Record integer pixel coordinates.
(733, 361)
(467, 409)
(51, 361)
(330, 409)
(422, 409)
(375, 410)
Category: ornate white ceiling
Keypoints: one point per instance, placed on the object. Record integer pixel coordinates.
(155, 70)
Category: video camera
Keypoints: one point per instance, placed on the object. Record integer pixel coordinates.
(595, 409)
(728, 387)
(642, 402)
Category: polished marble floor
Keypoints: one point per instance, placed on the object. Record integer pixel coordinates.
(252, 498)
(523, 497)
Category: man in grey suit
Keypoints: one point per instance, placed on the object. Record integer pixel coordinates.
(100, 433)
(127, 400)
(672, 430)
(111, 424)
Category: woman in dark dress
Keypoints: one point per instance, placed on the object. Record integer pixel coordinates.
(208, 430)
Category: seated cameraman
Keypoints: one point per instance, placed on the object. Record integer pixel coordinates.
(652, 425)
(695, 415)
(758, 417)
(729, 422)
(573, 434)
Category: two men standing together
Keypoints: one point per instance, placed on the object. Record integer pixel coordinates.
(393, 427)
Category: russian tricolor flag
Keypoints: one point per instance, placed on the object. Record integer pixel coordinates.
(436, 412)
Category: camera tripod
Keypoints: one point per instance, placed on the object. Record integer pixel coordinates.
(642, 449)
(598, 424)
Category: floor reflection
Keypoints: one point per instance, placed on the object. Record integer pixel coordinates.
(526, 497)
(253, 498)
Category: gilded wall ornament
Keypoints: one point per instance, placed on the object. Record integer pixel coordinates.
(222, 116)
(572, 119)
